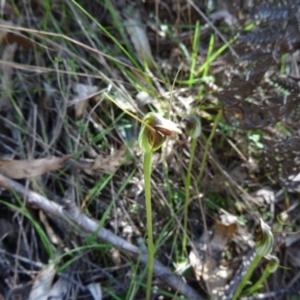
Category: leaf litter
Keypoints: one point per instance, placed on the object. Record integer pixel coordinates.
(223, 248)
(18, 169)
(207, 259)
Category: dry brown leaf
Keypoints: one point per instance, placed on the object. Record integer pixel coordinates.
(84, 93)
(222, 234)
(207, 263)
(18, 169)
(107, 164)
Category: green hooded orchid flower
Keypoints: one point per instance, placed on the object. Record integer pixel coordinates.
(193, 126)
(153, 134)
(264, 239)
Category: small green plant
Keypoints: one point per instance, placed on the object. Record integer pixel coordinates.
(264, 246)
(153, 134)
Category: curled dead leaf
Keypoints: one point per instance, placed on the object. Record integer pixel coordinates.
(18, 169)
(84, 93)
(106, 164)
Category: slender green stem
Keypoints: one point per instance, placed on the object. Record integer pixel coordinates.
(207, 144)
(247, 276)
(147, 180)
(187, 192)
(258, 284)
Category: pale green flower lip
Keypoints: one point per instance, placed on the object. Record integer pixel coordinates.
(154, 134)
(264, 239)
(283, 218)
(272, 264)
(193, 126)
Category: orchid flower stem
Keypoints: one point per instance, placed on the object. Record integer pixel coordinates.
(247, 276)
(187, 193)
(147, 180)
(258, 284)
(153, 134)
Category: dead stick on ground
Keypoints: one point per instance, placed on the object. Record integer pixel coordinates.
(71, 212)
